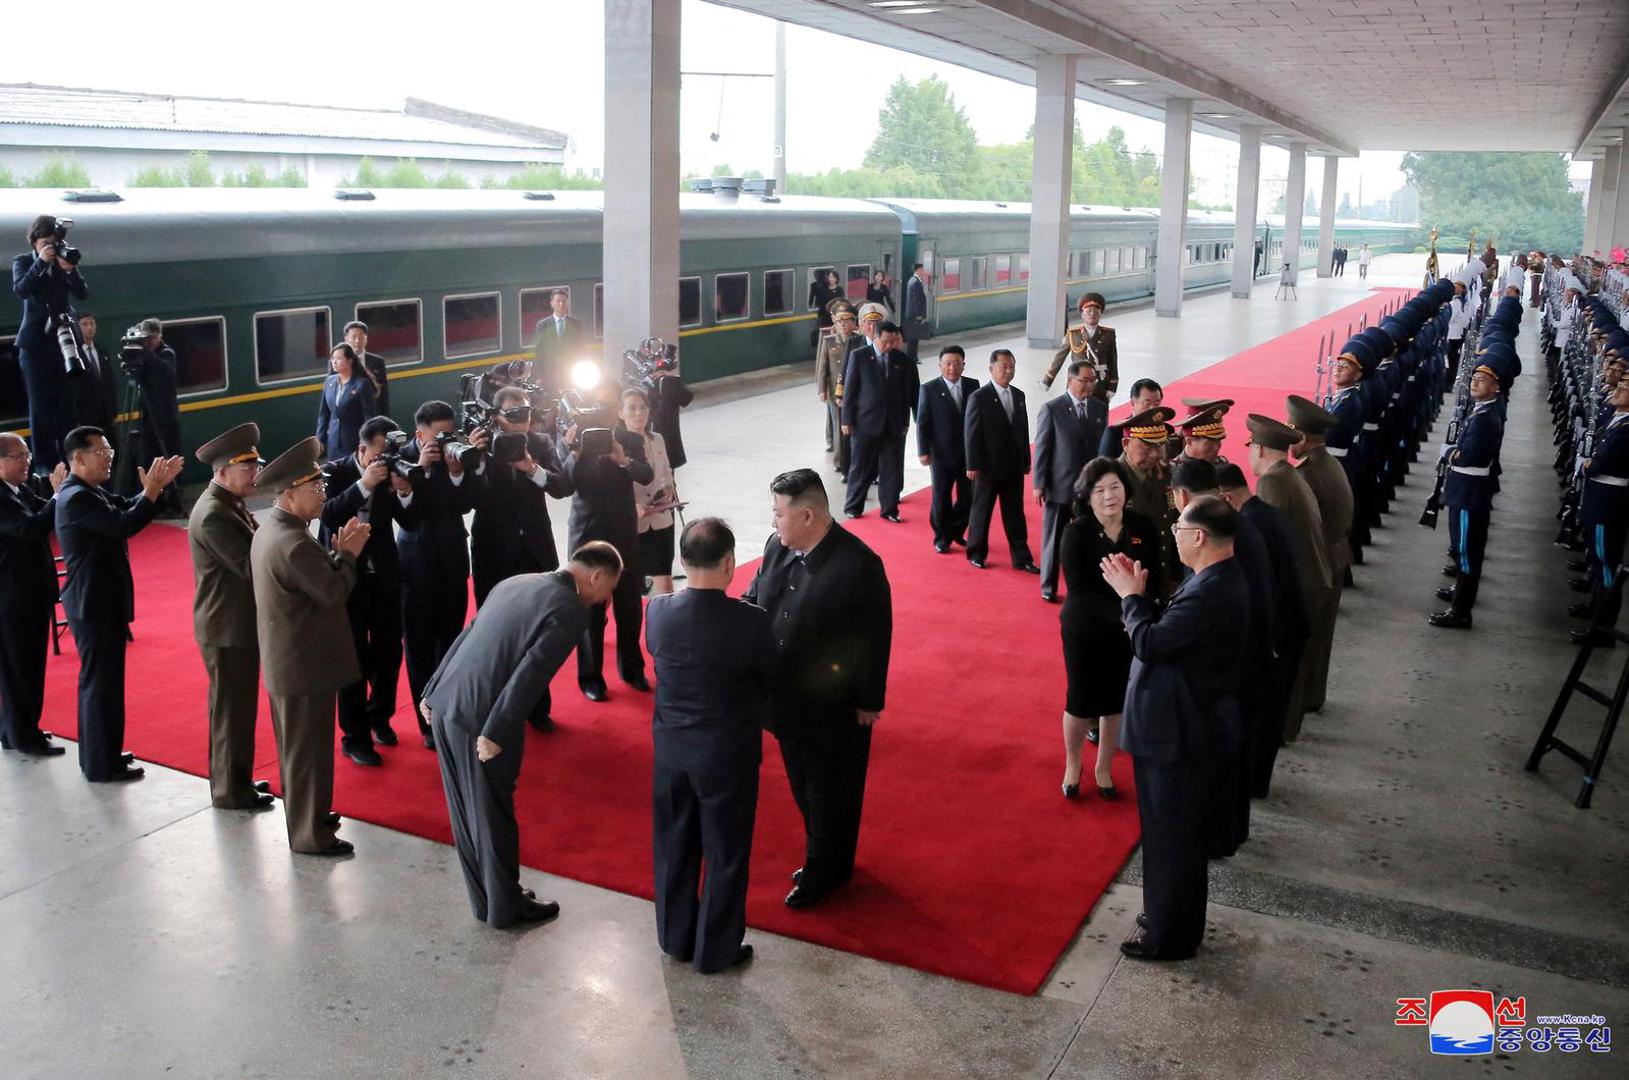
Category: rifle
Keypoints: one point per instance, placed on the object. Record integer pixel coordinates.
(1462, 403)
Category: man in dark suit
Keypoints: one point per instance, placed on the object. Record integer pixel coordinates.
(880, 387)
(47, 284)
(155, 372)
(940, 445)
(1179, 700)
(364, 487)
(100, 598)
(28, 596)
(915, 316)
(435, 552)
(829, 604)
(96, 396)
(356, 336)
(478, 702)
(1067, 431)
(560, 341)
(996, 431)
(714, 661)
(1145, 394)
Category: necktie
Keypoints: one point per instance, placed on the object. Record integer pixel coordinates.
(955, 394)
(559, 327)
(1006, 401)
(1080, 412)
(95, 362)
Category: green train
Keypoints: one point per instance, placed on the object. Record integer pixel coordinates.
(254, 286)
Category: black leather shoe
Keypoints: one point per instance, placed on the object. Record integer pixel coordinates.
(429, 741)
(959, 541)
(742, 955)
(545, 724)
(977, 564)
(797, 875)
(1581, 610)
(263, 786)
(385, 735)
(1049, 595)
(1601, 639)
(1450, 570)
(535, 911)
(1138, 949)
(941, 547)
(801, 897)
(1449, 620)
(851, 515)
(1108, 794)
(333, 820)
(262, 802)
(640, 683)
(1029, 568)
(595, 692)
(1578, 584)
(894, 517)
(127, 758)
(1577, 566)
(43, 748)
(365, 756)
(1092, 736)
(1142, 919)
(338, 847)
(1446, 594)
(129, 772)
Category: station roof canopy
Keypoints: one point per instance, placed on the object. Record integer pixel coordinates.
(1340, 75)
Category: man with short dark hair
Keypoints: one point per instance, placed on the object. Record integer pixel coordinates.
(880, 387)
(93, 526)
(915, 316)
(477, 702)
(1067, 431)
(831, 614)
(996, 431)
(356, 336)
(1145, 394)
(47, 283)
(714, 659)
(95, 394)
(28, 597)
(941, 406)
(559, 339)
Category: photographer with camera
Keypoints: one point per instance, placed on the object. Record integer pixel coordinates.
(435, 548)
(47, 280)
(655, 501)
(374, 486)
(147, 361)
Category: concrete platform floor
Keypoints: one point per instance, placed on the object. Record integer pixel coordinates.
(1404, 850)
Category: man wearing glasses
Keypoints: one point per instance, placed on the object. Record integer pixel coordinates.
(28, 596)
(94, 527)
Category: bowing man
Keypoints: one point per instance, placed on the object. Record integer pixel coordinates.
(940, 408)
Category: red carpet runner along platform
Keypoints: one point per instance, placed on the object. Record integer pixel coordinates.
(971, 863)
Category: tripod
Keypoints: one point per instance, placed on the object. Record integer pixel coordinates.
(127, 431)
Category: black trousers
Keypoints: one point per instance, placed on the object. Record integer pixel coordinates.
(952, 503)
(1227, 823)
(366, 706)
(1468, 538)
(101, 644)
(1605, 542)
(702, 820)
(826, 760)
(629, 611)
(1172, 802)
(879, 458)
(24, 636)
(50, 406)
(1267, 730)
(481, 806)
(432, 617)
(1055, 517)
(1011, 494)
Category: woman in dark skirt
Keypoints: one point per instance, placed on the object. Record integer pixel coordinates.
(1096, 651)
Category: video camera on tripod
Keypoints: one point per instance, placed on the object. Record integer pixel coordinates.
(641, 366)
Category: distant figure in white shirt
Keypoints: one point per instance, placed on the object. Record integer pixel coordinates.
(1364, 258)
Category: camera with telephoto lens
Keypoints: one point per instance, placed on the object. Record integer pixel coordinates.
(454, 448)
(59, 241)
(391, 455)
(71, 343)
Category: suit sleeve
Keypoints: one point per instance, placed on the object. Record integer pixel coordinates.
(338, 509)
(547, 651)
(94, 515)
(877, 619)
(1045, 438)
(973, 434)
(547, 456)
(1020, 422)
(852, 378)
(30, 526)
(751, 595)
(1177, 631)
(924, 423)
(640, 470)
(916, 390)
(324, 413)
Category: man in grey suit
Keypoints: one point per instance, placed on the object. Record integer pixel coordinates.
(477, 704)
(1067, 432)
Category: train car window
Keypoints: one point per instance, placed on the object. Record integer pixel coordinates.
(535, 306)
(1113, 265)
(859, 279)
(951, 280)
(599, 310)
(926, 259)
(395, 330)
(13, 395)
(732, 299)
(690, 301)
(1023, 269)
(200, 353)
(1141, 254)
(289, 344)
(1000, 270)
(976, 276)
(777, 292)
(1100, 265)
(1078, 264)
(471, 324)
(1125, 259)
(817, 276)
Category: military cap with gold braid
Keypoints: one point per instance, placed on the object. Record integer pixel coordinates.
(1270, 433)
(839, 307)
(1199, 404)
(1150, 425)
(1093, 299)
(1305, 415)
(299, 464)
(869, 312)
(1205, 424)
(232, 447)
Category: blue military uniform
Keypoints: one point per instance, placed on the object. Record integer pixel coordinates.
(1604, 514)
(1468, 495)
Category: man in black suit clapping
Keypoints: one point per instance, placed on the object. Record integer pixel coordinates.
(1067, 431)
(28, 596)
(880, 385)
(942, 447)
(996, 430)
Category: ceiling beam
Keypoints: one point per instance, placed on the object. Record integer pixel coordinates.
(1616, 96)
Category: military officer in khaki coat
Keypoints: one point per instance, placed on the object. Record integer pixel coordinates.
(1280, 484)
(1090, 341)
(1327, 479)
(305, 639)
(843, 339)
(223, 615)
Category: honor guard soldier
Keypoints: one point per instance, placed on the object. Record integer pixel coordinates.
(1333, 491)
(1467, 492)
(1092, 342)
(1202, 430)
(829, 360)
(305, 639)
(1604, 516)
(1345, 440)
(219, 533)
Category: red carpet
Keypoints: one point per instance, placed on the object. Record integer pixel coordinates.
(971, 864)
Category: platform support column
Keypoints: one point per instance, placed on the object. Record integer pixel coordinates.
(1044, 317)
(1326, 216)
(1295, 199)
(1173, 208)
(1244, 205)
(1613, 221)
(1592, 215)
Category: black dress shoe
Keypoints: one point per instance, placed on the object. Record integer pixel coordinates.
(1601, 639)
(262, 802)
(127, 758)
(333, 819)
(1578, 584)
(534, 911)
(263, 786)
(595, 692)
(977, 564)
(545, 724)
(797, 875)
(1581, 610)
(894, 517)
(851, 515)
(1577, 566)
(1450, 620)
(129, 772)
(743, 953)
(1049, 595)
(1142, 919)
(802, 897)
(366, 755)
(338, 847)
(959, 541)
(1451, 570)
(429, 741)
(640, 683)
(1446, 594)
(1108, 794)
(941, 547)
(1071, 791)
(385, 735)
(1137, 948)
(43, 748)
(1028, 568)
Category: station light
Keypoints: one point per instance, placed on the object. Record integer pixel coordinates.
(1124, 82)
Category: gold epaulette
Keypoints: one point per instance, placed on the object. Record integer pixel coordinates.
(1075, 339)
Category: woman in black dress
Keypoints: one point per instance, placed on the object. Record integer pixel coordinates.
(1096, 651)
(822, 291)
(878, 292)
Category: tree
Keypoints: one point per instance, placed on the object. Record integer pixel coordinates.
(545, 178)
(1519, 200)
(59, 170)
(922, 129)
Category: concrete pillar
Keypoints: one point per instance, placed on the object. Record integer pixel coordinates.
(1326, 216)
(1244, 210)
(1592, 215)
(1295, 198)
(1049, 199)
(1606, 219)
(778, 165)
(1616, 233)
(641, 245)
(1173, 207)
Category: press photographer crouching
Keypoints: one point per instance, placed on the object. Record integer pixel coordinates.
(375, 486)
(150, 365)
(47, 280)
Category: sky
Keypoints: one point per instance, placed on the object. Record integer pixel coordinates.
(543, 64)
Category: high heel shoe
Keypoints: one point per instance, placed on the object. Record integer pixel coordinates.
(1071, 791)
(1108, 794)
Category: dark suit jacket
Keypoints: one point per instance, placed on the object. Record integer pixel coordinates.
(714, 660)
(512, 515)
(45, 290)
(491, 679)
(1064, 444)
(833, 634)
(1288, 619)
(996, 445)
(345, 407)
(96, 397)
(1186, 666)
(916, 301)
(668, 395)
(555, 350)
(603, 506)
(939, 423)
(92, 527)
(347, 500)
(381, 377)
(1109, 445)
(161, 410)
(435, 546)
(878, 397)
(28, 575)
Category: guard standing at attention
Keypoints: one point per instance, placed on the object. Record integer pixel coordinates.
(1092, 342)
(219, 533)
(1603, 514)
(1467, 492)
(305, 639)
(1330, 487)
(1345, 441)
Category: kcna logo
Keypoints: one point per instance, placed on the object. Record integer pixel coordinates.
(1466, 1023)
